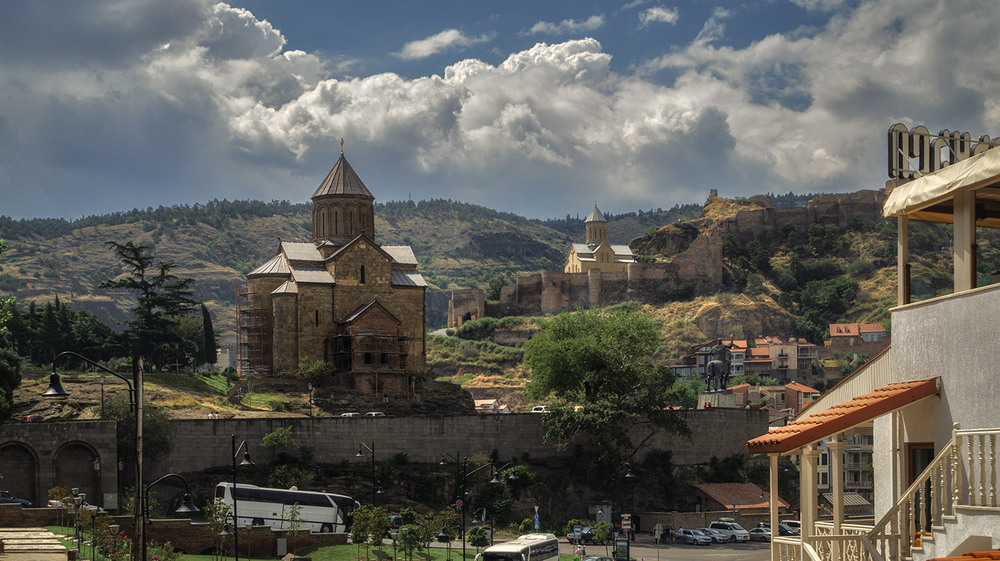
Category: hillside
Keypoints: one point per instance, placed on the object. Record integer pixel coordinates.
(459, 245)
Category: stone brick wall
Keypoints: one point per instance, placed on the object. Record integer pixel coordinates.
(466, 301)
(715, 432)
(35, 457)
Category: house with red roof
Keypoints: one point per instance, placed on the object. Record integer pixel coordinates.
(745, 498)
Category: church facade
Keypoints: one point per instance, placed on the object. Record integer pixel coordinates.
(342, 298)
(596, 252)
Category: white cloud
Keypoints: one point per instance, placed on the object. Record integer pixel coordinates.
(214, 105)
(567, 26)
(658, 14)
(449, 39)
(818, 5)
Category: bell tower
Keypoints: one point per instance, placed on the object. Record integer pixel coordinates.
(343, 207)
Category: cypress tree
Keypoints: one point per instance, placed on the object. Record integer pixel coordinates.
(210, 356)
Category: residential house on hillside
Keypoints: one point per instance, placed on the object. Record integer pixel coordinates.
(490, 406)
(745, 498)
(928, 402)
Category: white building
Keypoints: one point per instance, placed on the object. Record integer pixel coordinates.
(930, 402)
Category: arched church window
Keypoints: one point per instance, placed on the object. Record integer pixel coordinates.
(317, 318)
(362, 274)
(350, 223)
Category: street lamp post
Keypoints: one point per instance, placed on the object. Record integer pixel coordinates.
(236, 521)
(461, 476)
(376, 488)
(55, 389)
(187, 505)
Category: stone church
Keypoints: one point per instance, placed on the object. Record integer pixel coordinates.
(596, 252)
(341, 298)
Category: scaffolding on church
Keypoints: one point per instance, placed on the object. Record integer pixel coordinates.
(376, 358)
(253, 325)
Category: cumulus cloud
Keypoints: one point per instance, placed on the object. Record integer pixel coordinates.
(818, 5)
(566, 26)
(214, 104)
(449, 39)
(658, 14)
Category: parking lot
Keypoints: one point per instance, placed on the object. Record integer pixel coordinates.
(643, 549)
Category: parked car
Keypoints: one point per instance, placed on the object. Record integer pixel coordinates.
(374, 414)
(793, 524)
(540, 409)
(716, 536)
(597, 559)
(785, 529)
(586, 536)
(6, 497)
(33, 418)
(352, 414)
(693, 537)
(760, 534)
(731, 530)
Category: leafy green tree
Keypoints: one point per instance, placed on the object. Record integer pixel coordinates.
(10, 363)
(217, 513)
(496, 284)
(478, 538)
(160, 299)
(280, 437)
(603, 532)
(295, 521)
(210, 355)
(156, 429)
(754, 379)
(598, 369)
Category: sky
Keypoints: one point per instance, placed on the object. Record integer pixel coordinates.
(540, 108)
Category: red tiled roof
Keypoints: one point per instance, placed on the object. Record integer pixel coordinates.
(801, 387)
(843, 330)
(742, 495)
(871, 328)
(843, 416)
(759, 351)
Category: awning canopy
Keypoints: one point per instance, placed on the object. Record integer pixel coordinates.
(930, 197)
(843, 416)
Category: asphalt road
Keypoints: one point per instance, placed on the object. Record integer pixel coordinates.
(645, 550)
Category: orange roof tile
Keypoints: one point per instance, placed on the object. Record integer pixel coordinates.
(740, 495)
(801, 387)
(843, 416)
(871, 328)
(843, 330)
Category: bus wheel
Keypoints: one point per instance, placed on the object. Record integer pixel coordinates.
(258, 522)
(326, 528)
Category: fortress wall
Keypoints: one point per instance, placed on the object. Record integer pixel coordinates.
(467, 301)
(208, 443)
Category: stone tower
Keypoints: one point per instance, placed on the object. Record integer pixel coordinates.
(343, 207)
(597, 228)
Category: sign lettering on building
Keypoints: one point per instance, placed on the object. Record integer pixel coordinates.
(916, 152)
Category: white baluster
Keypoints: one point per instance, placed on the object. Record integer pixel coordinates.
(970, 473)
(993, 469)
(982, 470)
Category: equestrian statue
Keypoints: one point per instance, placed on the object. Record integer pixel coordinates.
(717, 369)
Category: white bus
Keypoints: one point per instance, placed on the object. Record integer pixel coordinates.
(263, 506)
(529, 547)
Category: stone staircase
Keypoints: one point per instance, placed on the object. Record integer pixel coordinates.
(30, 544)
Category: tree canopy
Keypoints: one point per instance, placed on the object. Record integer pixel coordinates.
(161, 298)
(598, 368)
(10, 363)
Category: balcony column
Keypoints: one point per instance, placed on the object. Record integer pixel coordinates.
(836, 446)
(965, 240)
(773, 499)
(903, 260)
(807, 490)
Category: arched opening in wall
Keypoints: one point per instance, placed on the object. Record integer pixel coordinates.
(74, 467)
(317, 318)
(322, 222)
(362, 275)
(336, 222)
(19, 467)
(350, 223)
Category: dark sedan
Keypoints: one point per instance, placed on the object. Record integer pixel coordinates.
(6, 497)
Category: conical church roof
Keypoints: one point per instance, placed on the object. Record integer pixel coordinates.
(596, 216)
(342, 180)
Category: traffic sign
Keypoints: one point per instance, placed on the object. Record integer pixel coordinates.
(459, 503)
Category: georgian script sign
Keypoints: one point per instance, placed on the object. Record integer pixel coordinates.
(917, 152)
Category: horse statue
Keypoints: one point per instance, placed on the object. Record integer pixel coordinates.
(718, 368)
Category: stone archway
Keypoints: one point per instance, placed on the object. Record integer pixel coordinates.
(19, 467)
(74, 467)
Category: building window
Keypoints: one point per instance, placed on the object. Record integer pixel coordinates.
(822, 478)
(317, 318)
(368, 358)
(362, 274)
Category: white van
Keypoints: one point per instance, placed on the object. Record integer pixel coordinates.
(730, 530)
(539, 409)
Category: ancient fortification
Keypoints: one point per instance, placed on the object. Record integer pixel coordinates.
(690, 255)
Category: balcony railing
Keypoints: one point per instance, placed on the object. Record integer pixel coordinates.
(964, 474)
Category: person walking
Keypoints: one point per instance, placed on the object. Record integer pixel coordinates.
(657, 532)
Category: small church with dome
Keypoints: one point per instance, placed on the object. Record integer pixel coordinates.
(596, 252)
(341, 298)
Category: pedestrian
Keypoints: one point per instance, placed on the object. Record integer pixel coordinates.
(669, 535)
(657, 532)
(577, 553)
(583, 550)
